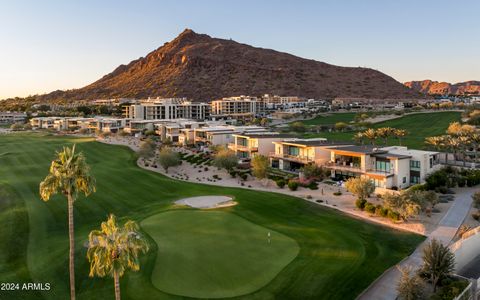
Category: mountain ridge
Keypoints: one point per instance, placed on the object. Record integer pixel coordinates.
(430, 87)
(203, 68)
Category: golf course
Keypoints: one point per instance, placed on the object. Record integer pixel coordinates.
(267, 246)
(418, 125)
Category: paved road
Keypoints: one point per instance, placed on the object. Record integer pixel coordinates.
(385, 287)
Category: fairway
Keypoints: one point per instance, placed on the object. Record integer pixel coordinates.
(419, 127)
(335, 251)
(331, 119)
(212, 254)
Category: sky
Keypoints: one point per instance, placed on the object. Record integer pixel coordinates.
(63, 44)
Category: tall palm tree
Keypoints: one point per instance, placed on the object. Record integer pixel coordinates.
(69, 175)
(371, 135)
(465, 142)
(359, 138)
(454, 144)
(114, 249)
(400, 134)
(385, 133)
(437, 142)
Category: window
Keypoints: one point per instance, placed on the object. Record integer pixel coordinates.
(404, 179)
(431, 162)
(382, 166)
(414, 164)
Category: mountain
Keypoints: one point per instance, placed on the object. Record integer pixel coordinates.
(203, 68)
(444, 88)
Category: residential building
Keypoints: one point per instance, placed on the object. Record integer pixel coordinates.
(221, 135)
(167, 109)
(292, 154)
(388, 168)
(237, 107)
(10, 117)
(247, 145)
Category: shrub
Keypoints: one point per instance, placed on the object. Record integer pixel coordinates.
(370, 208)
(476, 215)
(360, 203)
(313, 185)
(337, 193)
(243, 176)
(233, 173)
(381, 211)
(417, 187)
(293, 185)
(280, 183)
(393, 215)
(361, 187)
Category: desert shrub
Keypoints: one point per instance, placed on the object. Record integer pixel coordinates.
(360, 203)
(417, 187)
(450, 289)
(313, 185)
(280, 182)
(293, 185)
(393, 215)
(370, 208)
(361, 187)
(337, 193)
(243, 176)
(233, 173)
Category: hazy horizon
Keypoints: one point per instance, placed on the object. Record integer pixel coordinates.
(64, 45)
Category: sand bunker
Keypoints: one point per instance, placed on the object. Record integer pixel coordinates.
(207, 201)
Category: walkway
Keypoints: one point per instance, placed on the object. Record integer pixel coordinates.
(385, 287)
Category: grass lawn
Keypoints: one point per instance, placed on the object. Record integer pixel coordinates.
(331, 119)
(213, 254)
(419, 126)
(335, 251)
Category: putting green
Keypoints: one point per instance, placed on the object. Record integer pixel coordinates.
(214, 254)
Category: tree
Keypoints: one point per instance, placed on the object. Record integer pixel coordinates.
(370, 134)
(438, 142)
(361, 187)
(401, 204)
(168, 158)
(313, 171)
(298, 127)
(455, 128)
(69, 175)
(359, 138)
(438, 262)
(384, 133)
(400, 134)
(225, 159)
(340, 126)
(260, 166)
(410, 286)
(264, 122)
(114, 249)
(16, 127)
(147, 149)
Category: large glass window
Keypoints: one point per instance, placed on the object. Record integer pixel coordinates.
(382, 166)
(414, 164)
(293, 150)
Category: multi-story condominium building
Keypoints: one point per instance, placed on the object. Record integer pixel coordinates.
(10, 117)
(167, 109)
(389, 167)
(237, 107)
(71, 123)
(247, 145)
(292, 154)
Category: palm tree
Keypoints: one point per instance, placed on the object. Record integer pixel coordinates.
(69, 175)
(454, 144)
(113, 249)
(359, 138)
(400, 134)
(385, 133)
(438, 142)
(438, 261)
(371, 135)
(464, 144)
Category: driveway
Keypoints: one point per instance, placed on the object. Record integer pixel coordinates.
(385, 287)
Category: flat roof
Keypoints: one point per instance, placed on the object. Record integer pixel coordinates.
(265, 135)
(313, 142)
(392, 156)
(363, 149)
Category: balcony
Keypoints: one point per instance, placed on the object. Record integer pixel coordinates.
(238, 147)
(358, 169)
(296, 158)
